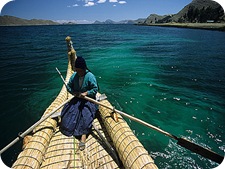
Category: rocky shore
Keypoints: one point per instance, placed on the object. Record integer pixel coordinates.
(199, 14)
(209, 26)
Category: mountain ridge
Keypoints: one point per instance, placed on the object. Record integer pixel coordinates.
(109, 21)
(7, 20)
(198, 11)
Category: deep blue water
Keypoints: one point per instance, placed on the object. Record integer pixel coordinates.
(169, 77)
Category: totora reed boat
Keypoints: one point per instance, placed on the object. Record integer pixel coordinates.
(112, 144)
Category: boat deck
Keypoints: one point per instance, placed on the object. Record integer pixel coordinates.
(63, 152)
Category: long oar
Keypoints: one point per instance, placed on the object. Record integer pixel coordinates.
(33, 126)
(61, 77)
(181, 141)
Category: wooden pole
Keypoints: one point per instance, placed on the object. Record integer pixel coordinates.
(181, 141)
(33, 126)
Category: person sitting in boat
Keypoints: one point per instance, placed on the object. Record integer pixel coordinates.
(77, 115)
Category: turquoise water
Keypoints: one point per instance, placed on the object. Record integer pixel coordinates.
(169, 77)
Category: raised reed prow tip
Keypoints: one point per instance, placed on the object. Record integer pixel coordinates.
(71, 52)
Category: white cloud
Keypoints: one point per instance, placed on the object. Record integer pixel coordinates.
(101, 1)
(75, 5)
(113, 1)
(116, 1)
(122, 2)
(89, 4)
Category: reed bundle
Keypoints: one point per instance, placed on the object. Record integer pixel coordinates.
(130, 150)
(34, 151)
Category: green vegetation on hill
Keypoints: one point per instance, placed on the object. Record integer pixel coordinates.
(198, 11)
(14, 21)
(203, 15)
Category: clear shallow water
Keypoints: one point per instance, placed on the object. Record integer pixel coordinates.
(169, 77)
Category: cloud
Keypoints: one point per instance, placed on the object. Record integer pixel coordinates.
(90, 4)
(116, 1)
(113, 1)
(75, 5)
(122, 2)
(101, 1)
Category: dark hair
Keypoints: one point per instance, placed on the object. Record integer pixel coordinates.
(80, 63)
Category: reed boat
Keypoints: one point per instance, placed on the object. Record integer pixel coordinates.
(112, 144)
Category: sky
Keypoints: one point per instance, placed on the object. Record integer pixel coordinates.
(91, 10)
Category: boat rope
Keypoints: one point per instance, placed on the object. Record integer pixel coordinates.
(115, 156)
(74, 158)
(22, 135)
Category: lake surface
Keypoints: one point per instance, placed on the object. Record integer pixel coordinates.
(172, 78)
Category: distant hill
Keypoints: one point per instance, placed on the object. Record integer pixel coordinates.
(108, 21)
(198, 11)
(14, 21)
(154, 18)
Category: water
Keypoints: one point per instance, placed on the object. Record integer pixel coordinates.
(169, 77)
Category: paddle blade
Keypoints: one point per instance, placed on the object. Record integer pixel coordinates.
(200, 150)
(100, 97)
